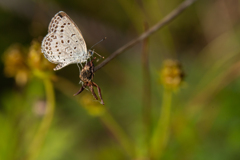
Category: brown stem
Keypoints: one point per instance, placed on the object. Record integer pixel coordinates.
(146, 34)
(146, 110)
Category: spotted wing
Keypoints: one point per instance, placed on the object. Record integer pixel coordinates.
(64, 43)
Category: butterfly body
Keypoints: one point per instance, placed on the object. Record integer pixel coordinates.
(64, 43)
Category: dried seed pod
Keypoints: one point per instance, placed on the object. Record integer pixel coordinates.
(86, 76)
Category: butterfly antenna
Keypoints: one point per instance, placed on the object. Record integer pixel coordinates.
(99, 42)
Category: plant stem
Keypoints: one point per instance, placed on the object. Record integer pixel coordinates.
(160, 136)
(212, 88)
(167, 19)
(146, 96)
(118, 133)
(39, 137)
(106, 118)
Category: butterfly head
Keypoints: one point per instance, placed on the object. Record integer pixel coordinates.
(90, 53)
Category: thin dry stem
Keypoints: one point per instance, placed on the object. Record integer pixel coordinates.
(146, 34)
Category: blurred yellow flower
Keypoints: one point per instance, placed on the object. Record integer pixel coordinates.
(14, 64)
(20, 64)
(92, 106)
(171, 74)
(36, 59)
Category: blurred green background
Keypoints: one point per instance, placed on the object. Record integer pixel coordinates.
(198, 117)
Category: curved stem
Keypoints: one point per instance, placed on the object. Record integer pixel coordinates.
(118, 133)
(39, 137)
(106, 119)
(160, 136)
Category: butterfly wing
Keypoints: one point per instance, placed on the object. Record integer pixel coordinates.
(64, 43)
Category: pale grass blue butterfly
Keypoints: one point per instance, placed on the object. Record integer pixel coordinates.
(64, 43)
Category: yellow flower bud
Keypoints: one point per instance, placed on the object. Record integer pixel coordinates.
(171, 74)
(14, 64)
(36, 59)
(20, 65)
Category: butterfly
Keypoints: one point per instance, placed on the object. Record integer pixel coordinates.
(64, 43)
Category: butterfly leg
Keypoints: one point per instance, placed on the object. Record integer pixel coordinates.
(81, 82)
(81, 65)
(99, 92)
(79, 70)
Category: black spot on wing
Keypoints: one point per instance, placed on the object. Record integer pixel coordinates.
(59, 14)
